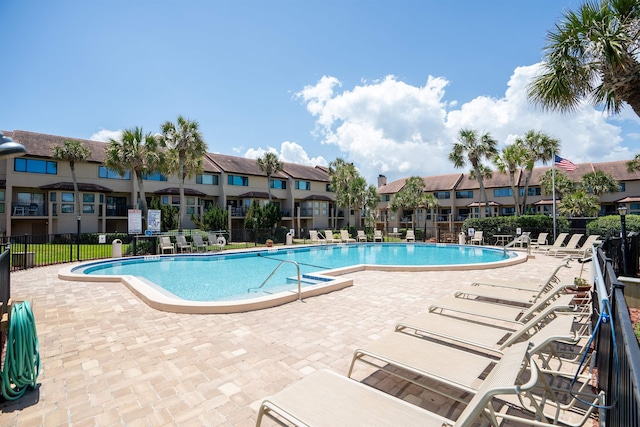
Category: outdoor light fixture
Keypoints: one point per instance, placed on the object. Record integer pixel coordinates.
(622, 210)
(9, 148)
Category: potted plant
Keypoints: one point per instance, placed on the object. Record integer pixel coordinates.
(269, 243)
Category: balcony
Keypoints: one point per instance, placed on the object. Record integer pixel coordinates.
(31, 209)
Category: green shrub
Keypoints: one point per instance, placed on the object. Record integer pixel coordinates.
(608, 226)
(508, 224)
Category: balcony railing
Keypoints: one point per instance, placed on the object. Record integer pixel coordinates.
(29, 209)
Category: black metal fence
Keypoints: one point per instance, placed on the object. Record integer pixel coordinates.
(617, 351)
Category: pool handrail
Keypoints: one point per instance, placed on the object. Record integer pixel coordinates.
(274, 272)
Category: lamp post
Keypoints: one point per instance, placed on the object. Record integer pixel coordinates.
(622, 210)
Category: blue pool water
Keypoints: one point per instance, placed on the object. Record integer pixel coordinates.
(224, 277)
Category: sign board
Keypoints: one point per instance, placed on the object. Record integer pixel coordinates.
(153, 222)
(471, 231)
(102, 238)
(518, 231)
(135, 221)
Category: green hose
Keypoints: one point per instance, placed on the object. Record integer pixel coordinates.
(22, 359)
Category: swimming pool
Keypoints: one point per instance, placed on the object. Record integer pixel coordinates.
(229, 279)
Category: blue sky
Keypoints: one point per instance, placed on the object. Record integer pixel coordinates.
(384, 84)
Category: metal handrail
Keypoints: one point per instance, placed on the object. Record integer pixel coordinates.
(514, 241)
(274, 272)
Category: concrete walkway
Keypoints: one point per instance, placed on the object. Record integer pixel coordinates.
(109, 359)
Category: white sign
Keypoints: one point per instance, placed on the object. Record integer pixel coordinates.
(135, 221)
(102, 238)
(153, 222)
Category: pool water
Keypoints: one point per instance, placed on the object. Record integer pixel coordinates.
(225, 277)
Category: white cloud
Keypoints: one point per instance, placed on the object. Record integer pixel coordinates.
(393, 128)
(104, 135)
(289, 152)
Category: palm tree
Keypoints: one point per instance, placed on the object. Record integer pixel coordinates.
(509, 161)
(579, 204)
(269, 164)
(409, 197)
(135, 152)
(430, 202)
(634, 165)
(358, 189)
(564, 185)
(593, 55)
(184, 141)
(538, 147)
(370, 199)
(474, 148)
(599, 183)
(341, 174)
(485, 172)
(73, 152)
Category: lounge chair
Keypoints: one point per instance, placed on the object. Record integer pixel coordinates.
(327, 399)
(512, 296)
(181, 244)
(573, 242)
(361, 237)
(345, 238)
(328, 235)
(377, 236)
(316, 238)
(410, 237)
(540, 240)
(582, 251)
(216, 240)
(558, 243)
(166, 245)
(477, 238)
(533, 285)
(198, 243)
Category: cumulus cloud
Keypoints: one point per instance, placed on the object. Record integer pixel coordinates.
(397, 129)
(289, 152)
(104, 135)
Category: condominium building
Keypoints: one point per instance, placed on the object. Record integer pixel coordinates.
(37, 195)
(459, 196)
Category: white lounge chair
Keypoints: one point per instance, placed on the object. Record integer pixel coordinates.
(558, 243)
(582, 251)
(166, 245)
(477, 238)
(198, 243)
(328, 235)
(410, 237)
(540, 240)
(182, 245)
(345, 237)
(377, 236)
(316, 238)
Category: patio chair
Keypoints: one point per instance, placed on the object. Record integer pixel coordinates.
(216, 240)
(582, 251)
(33, 209)
(316, 238)
(477, 238)
(540, 240)
(410, 237)
(377, 236)
(325, 398)
(198, 243)
(166, 245)
(558, 243)
(361, 237)
(533, 285)
(182, 245)
(328, 235)
(345, 237)
(512, 296)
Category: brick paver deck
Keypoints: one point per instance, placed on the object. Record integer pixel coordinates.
(109, 359)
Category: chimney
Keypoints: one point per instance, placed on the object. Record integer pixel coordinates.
(382, 180)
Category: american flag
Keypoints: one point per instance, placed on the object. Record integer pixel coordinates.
(565, 164)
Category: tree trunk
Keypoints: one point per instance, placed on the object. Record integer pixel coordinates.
(143, 200)
(514, 190)
(527, 180)
(181, 187)
(76, 193)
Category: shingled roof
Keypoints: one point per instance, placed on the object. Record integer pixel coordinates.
(40, 145)
(175, 191)
(68, 186)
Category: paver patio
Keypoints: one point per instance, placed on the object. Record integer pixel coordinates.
(109, 359)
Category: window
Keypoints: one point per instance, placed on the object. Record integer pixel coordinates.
(329, 189)
(502, 192)
(622, 187)
(278, 184)
(88, 201)
(104, 172)
(442, 195)
(532, 191)
(508, 211)
(242, 181)
(67, 202)
(464, 194)
(1, 201)
(165, 200)
(303, 185)
(155, 176)
(634, 208)
(35, 166)
(385, 197)
(191, 202)
(207, 179)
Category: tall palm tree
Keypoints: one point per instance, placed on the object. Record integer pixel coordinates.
(539, 147)
(74, 152)
(269, 164)
(370, 200)
(599, 183)
(358, 193)
(184, 141)
(509, 161)
(563, 184)
(485, 172)
(579, 204)
(430, 202)
(592, 55)
(135, 152)
(341, 174)
(409, 197)
(474, 148)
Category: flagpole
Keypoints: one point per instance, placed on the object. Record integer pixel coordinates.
(553, 193)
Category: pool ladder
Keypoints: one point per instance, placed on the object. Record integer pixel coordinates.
(274, 272)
